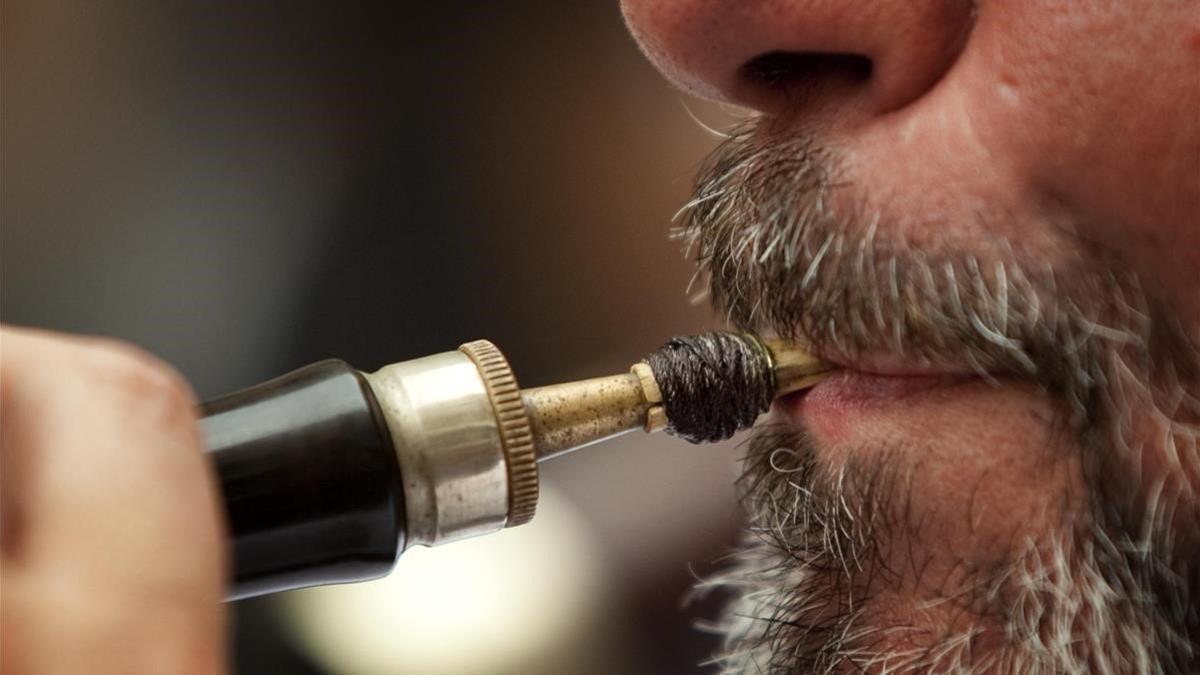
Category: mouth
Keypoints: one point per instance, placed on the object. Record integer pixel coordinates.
(870, 389)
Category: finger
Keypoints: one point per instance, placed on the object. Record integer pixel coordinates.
(117, 550)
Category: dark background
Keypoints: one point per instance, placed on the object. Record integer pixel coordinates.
(243, 188)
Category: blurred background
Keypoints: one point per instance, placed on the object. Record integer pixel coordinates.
(243, 188)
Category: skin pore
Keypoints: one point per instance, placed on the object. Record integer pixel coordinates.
(1002, 211)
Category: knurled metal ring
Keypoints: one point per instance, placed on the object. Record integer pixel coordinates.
(516, 436)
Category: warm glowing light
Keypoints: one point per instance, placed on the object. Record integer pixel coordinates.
(485, 605)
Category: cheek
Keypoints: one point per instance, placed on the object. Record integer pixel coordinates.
(1093, 105)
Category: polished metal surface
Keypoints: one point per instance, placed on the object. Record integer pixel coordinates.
(516, 436)
(448, 443)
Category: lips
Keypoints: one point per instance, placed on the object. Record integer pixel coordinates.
(835, 404)
(855, 389)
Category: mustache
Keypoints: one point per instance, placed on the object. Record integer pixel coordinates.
(777, 257)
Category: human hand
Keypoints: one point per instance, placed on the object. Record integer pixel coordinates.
(111, 543)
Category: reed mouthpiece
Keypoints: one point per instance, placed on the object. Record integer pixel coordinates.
(701, 388)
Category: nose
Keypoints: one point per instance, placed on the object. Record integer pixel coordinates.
(782, 55)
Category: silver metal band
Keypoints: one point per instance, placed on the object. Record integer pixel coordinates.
(445, 432)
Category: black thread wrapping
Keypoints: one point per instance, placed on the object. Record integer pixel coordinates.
(713, 384)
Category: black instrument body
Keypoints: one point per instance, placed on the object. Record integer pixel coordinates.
(311, 485)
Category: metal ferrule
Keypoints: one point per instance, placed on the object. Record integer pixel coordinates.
(448, 443)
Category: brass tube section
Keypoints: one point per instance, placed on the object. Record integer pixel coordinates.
(569, 416)
(566, 417)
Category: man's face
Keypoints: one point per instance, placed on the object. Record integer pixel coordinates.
(989, 214)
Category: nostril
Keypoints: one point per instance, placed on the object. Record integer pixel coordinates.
(778, 70)
(805, 72)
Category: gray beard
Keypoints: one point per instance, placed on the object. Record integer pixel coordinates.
(1108, 593)
(1094, 598)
